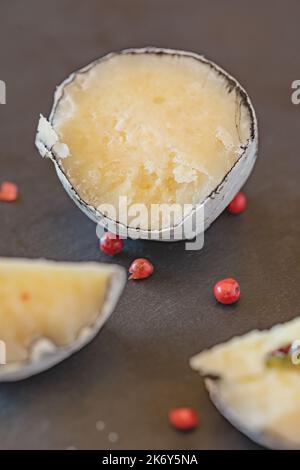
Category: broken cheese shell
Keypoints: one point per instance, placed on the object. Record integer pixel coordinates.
(157, 126)
(48, 310)
(262, 402)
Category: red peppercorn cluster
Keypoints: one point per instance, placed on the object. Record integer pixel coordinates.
(111, 244)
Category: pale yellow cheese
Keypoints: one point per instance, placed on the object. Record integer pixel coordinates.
(48, 299)
(154, 128)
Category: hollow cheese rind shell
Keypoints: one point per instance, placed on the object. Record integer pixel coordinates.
(212, 206)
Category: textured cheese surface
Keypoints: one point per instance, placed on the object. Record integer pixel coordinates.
(50, 299)
(158, 129)
(259, 399)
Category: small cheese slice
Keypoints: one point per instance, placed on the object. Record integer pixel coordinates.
(262, 402)
(48, 299)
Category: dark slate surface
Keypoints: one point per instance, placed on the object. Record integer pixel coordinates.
(137, 368)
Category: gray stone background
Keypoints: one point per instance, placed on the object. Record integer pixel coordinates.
(137, 367)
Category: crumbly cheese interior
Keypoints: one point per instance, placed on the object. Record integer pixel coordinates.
(48, 299)
(158, 129)
(258, 399)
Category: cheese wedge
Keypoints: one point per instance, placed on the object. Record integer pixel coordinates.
(55, 301)
(263, 402)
